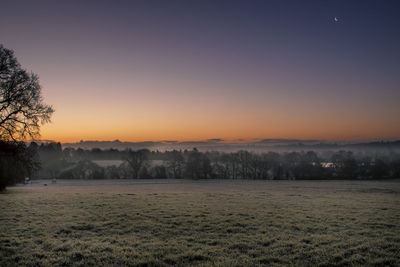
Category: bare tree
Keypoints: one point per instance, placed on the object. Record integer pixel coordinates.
(136, 160)
(21, 105)
(175, 163)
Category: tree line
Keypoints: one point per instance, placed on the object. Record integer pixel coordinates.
(72, 163)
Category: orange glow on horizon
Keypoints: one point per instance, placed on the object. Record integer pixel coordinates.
(144, 113)
(201, 130)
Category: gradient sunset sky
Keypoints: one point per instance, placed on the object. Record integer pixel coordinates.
(195, 70)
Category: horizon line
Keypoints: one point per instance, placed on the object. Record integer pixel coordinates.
(224, 141)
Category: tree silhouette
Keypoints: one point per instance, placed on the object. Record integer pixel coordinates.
(21, 104)
(198, 165)
(21, 112)
(16, 162)
(175, 162)
(136, 160)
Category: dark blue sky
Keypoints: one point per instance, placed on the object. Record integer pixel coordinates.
(282, 68)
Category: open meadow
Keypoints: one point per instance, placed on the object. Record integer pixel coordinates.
(190, 223)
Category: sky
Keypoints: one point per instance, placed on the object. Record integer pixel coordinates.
(197, 70)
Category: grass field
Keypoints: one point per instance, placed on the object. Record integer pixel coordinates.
(224, 223)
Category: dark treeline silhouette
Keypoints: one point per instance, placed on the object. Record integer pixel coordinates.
(17, 161)
(78, 163)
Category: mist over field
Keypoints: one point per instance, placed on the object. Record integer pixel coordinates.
(264, 145)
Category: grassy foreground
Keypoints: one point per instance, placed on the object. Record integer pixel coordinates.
(202, 223)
